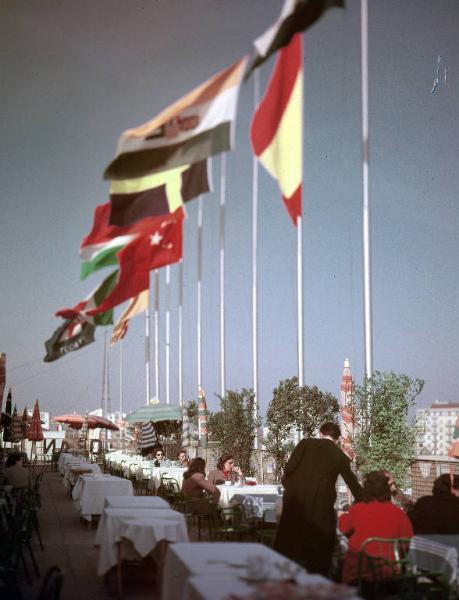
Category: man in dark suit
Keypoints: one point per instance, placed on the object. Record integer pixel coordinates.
(307, 528)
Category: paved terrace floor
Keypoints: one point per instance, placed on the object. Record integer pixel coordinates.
(70, 545)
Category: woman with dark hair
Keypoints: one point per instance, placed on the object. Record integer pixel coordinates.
(376, 516)
(439, 513)
(195, 487)
(15, 473)
(226, 470)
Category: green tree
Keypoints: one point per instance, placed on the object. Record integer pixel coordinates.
(383, 438)
(234, 426)
(297, 407)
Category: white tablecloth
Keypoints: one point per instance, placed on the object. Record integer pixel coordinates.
(67, 459)
(146, 532)
(220, 586)
(71, 471)
(228, 491)
(135, 502)
(430, 555)
(111, 525)
(214, 558)
(146, 469)
(90, 492)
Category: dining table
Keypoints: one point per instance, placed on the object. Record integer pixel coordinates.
(214, 570)
(258, 501)
(143, 527)
(135, 502)
(428, 553)
(91, 490)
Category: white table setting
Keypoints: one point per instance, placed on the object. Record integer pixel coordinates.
(91, 490)
(154, 525)
(213, 571)
(135, 502)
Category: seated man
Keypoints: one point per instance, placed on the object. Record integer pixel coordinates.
(183, 459)
(16, 474)
(439, 513)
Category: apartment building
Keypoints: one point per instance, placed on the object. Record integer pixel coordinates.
(437, 422)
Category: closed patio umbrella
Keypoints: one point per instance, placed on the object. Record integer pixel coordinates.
(185, 427)
(35, 432)
(6, 419)
(16, 432)
(2, 377)
(24, 427)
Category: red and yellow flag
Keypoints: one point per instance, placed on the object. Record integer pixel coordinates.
(277, 126)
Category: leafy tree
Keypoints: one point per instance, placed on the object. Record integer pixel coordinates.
(293, 407)
(234, 426)
(383, 438)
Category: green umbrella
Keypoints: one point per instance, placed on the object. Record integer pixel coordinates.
(155, 413)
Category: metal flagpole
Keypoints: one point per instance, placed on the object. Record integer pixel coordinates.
(299, 229)
(199, 293)
(366, 198)
(104, 379)
(147, 356)
(256, 95)
(156, 318)
(222, 274)
(168, 333)
(180, 333)
(121, 378)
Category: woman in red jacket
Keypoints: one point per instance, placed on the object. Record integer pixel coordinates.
(376, 516)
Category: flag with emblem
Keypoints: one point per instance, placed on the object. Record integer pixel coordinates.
(158, 194)
(72, 335)
(199, 125)
(277, 126)
(146, 252)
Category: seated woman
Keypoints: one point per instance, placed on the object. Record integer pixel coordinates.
(196, 488)
(376, 516)
(225, 471)
(439, 513)
(159, 459)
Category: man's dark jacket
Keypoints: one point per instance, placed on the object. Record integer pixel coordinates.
(307, 527)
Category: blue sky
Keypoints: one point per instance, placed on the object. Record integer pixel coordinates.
(76, 74)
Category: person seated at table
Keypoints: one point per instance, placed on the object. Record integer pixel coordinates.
(376, 516)
(15, 473)
(398, 497)
(439, 513)
(196, 487)
(226, 470)
(159, 459)
(183, 459)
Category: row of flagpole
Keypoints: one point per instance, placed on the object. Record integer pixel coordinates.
(366, 224)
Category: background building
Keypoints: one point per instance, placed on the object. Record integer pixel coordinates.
(437, 428)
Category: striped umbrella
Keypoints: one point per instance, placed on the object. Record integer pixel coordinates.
(6, 419)
(185, 427)
(147, 436)
(202, 418)
(16, 431)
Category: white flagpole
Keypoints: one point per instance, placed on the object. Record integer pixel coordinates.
(366, 198)
(180, 333)
(222, 274)
(121, 378)
(156, 318)
(168, 333)
(147, 356)
(299, 230)
(199, 293)
(256, 95)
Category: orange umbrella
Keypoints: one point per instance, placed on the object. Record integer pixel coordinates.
(76, 421)
(35, 432)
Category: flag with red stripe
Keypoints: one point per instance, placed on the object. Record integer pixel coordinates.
(277, 126)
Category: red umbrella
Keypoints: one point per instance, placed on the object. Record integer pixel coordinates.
(76, 421)
(35, 432)
(24, 422)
